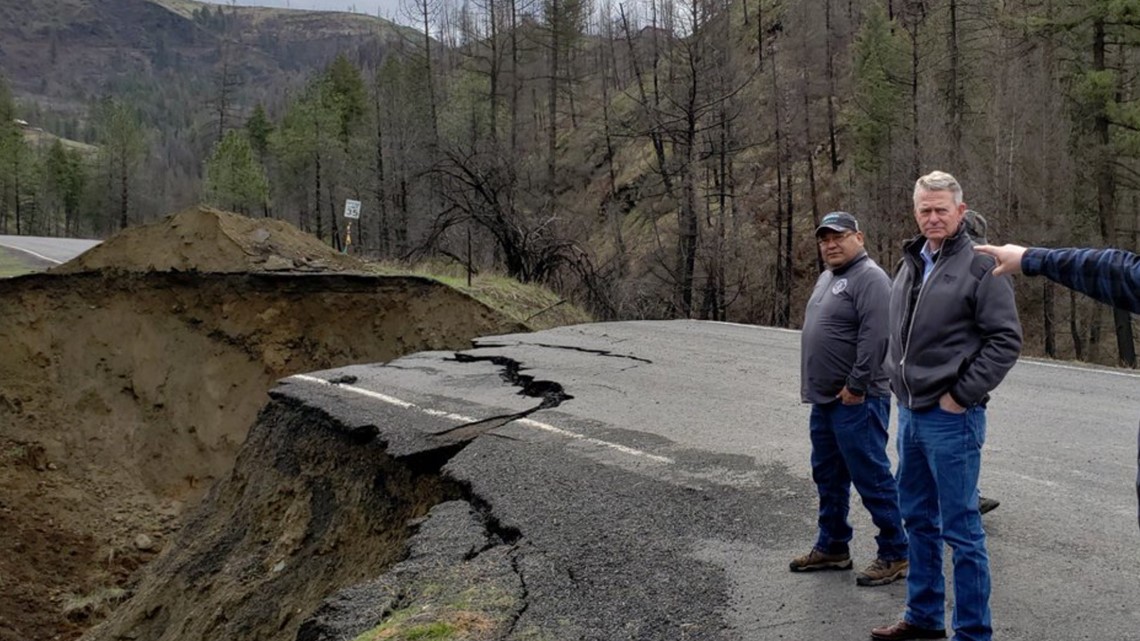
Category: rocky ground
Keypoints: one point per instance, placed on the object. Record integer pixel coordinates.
(130, 377)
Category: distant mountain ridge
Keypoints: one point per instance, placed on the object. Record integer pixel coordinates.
(66, 50)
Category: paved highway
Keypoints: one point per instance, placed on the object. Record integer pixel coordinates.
(49, 250)
(665, 498)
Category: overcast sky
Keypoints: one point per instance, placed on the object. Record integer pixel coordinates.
(386, 8)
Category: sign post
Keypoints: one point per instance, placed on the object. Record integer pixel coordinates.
(351, 212)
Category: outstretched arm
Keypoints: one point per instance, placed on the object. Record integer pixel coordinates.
(1111, 276)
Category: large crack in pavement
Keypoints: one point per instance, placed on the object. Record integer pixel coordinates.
(551, 393)
(385, 600)
(570, 348)
(514, 541)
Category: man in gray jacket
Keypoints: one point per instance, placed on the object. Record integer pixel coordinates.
(954, 335)
(844, 340)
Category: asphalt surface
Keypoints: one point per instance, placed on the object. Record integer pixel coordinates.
(49, 251)
(664, 498)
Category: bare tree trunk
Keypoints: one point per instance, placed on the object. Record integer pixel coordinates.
(1125, 344)
(402, 244)
(1106, 196)
(954, 86)
(334, 223)
(429, 70)
(317, 176)
(16, 183)
(759, 35)
(515, 85)
(383, 231)
(317, 197)
(830, 89)
(654, 128)
(1075, 327)
(494, 79)
(808, 156)
(916, 158)
(614, 212)
(552, 102)
(687, 223)
(124, 195)
(782, 315)
(1048, 308)
(789, 275)
(226, 86)
(1095, 321)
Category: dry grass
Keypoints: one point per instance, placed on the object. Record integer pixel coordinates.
(532, 305)
(432, 624)
(96, 605)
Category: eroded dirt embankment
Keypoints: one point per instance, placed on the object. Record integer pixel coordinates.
(312, 508)
(123, 395)
(163, 373)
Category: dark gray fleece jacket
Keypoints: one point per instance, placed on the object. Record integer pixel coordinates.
(958, 332)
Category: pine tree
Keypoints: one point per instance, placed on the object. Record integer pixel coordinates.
(122, 143)
(235, 180)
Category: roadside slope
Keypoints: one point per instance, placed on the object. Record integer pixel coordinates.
(131, 376)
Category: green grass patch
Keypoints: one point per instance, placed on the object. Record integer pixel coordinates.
(11, 266)
(438, 612)
(12, 452)
(430, 632)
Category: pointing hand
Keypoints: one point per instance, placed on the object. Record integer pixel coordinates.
(1008, 257)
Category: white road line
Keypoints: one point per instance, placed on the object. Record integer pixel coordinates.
(587, 439)
(749, 326)
(467, 419)
(1077, 368)
(37, 255)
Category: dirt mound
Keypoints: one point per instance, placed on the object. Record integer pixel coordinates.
(208, 240)
(125, 393)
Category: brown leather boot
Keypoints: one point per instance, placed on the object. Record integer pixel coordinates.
(820, 560)
(902, 630)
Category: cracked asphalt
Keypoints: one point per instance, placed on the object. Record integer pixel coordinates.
(655, 479)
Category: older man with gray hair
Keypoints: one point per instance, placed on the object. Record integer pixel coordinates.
(954, 335)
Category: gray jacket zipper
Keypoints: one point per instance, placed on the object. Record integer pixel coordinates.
(910, 327)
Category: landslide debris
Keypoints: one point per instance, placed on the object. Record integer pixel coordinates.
(130, 376)
(209, 240)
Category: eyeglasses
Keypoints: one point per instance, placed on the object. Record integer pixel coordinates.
(834, 238)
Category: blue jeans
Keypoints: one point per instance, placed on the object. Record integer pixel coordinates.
(940, 456)
(849, 446)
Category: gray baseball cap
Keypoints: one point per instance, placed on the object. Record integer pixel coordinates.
(838, 221)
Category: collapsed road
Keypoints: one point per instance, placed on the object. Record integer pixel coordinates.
(640, 480)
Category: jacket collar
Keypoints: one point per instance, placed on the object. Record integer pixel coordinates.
(839, 271)
(950, 246)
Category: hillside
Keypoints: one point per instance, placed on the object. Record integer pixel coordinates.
(648, 165)
(61, 52)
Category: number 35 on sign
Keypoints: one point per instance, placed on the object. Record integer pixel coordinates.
(352, 209)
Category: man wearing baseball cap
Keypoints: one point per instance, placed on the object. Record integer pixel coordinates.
(844, 341)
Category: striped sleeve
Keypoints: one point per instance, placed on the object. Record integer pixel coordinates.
(1111, 276)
